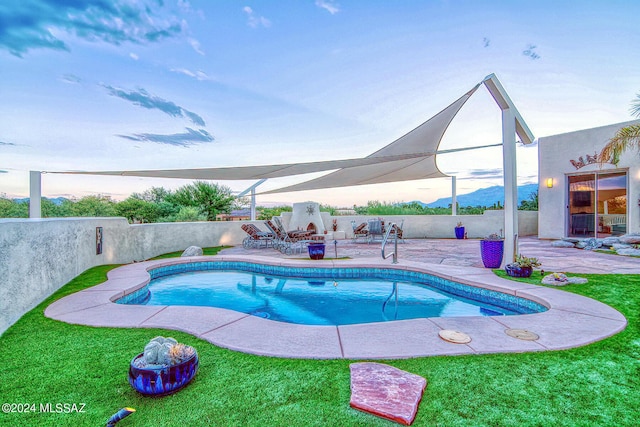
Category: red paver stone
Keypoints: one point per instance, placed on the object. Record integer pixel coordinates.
(386, 391)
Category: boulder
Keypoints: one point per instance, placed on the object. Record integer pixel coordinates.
(571, 239)
(618, 246)
(610, 241)
(628, 251)
(192, 251)
(630, 239)
(581, 244)
(589, 244)
(562, 244)
(560, 279)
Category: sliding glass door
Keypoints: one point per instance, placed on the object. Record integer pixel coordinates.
(597, 205)
(612, 204)
(582, 192)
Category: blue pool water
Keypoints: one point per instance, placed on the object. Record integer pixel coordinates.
(337, 296)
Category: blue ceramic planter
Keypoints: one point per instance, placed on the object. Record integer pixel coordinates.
(491, 252)
(316, 250)
(459, 232)
(162, 381)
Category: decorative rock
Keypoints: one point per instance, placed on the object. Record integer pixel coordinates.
(578, 280)
(589, 244)
(562, 244)
(629, 251)
(386, 391)
(560, 279)
(455, 337)
(571, 239)
(610, 241)
(618, 246)
(555, 279)
(631, 238)
(192, 251)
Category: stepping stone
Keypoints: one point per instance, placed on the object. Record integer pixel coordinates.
(386, 391)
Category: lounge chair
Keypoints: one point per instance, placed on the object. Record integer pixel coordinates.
(256, 238)
(359, 231)
(294, 235)
(280, 240)
(288, 242)
(376, 229)
(393, 231)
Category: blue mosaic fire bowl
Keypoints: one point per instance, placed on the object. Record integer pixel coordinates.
(162, 381)
(517, 271)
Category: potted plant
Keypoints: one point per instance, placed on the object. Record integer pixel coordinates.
(522, 267)
(491, 250)
(334, 225)
(459, 229)
(163, 368)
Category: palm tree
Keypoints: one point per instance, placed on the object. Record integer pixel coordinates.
(626, 138)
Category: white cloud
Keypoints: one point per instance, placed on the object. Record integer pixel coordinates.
(199, 75)
(329, 5)
(40, 24)
(184, 5)
(195, 44)
(71, 78)
(134, 56)
(255, 21)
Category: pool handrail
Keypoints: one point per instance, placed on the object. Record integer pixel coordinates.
(384, 243)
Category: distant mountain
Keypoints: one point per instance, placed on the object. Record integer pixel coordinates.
(484, 197)
(56, 201)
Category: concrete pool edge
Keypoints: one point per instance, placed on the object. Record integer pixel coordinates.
(571, 321)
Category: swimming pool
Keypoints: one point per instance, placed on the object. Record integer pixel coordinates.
(583, 320)
(322, 296)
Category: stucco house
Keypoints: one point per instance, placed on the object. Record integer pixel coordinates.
(578, 196)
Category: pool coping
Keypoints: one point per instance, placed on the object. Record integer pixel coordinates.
(570, 321)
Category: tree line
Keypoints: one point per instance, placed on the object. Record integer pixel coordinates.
(203, 201)
(199, 201)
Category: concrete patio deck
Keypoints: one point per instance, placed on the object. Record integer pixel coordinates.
(466, 253)
(571, 320)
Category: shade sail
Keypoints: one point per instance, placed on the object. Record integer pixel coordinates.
(424, 138)
(410, 157)
(258, 172)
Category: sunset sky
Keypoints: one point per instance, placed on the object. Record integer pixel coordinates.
(169, 84)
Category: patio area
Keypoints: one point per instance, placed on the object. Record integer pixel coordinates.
(571, 321)
(466, 253)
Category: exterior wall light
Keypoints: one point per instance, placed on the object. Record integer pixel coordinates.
(549, 182)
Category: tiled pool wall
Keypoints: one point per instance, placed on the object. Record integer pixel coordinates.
(507, 301)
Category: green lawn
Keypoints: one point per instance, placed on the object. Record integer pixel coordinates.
(46, 361)
(205, 251)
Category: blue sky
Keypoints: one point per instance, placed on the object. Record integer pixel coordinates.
(167, 84)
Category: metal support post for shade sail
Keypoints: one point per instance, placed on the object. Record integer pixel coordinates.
(512, 125)
(35, 194)
(252, 189)
(454, 200)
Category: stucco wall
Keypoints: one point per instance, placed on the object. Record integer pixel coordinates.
(38, 256)
(156, 239)
(554, 155)
(442, 226)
